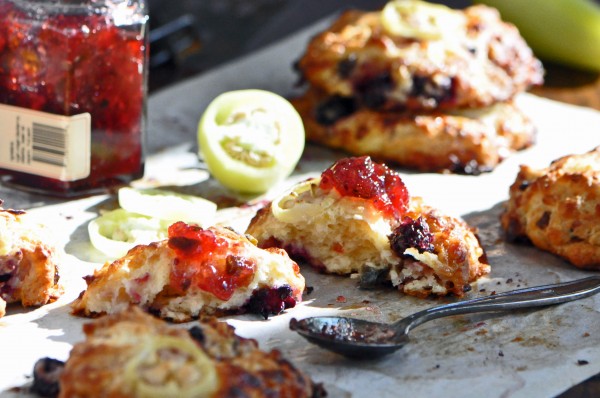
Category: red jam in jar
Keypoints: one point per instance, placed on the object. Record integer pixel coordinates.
(84, 60)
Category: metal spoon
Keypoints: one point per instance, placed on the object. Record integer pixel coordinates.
(364, 339)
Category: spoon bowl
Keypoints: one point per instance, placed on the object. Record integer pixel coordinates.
(357, 338)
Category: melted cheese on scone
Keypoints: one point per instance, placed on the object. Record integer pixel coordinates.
(347, 235)
(326, 227)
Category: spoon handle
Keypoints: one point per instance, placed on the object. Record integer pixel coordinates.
(522, 298)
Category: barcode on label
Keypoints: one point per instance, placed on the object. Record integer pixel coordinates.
(45, 144)
(49, 144)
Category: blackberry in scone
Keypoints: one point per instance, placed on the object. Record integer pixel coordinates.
(358, 218)
(421, 56)
(132, 354)
(557, 208)
(195, 272)
(469, 141)
(28, 261)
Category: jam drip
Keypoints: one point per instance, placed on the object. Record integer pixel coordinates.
(360, 177)
(271, 301)
(202, 261)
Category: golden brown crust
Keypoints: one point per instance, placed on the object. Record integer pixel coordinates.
(462, 260)
(465, 141)
(117, 360)
(28, 262)
(483, 62)
(558, 208)
(347, 235)
(149, 276)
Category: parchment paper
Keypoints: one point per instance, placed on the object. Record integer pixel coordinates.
(525, 354)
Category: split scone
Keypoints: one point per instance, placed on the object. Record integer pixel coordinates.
(28, 262)
(195, 272)
(420, 56)
(558, 208)
(469, 141)
(132, 354)
(358, 218)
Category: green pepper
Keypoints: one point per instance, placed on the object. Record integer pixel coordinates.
(562, 31)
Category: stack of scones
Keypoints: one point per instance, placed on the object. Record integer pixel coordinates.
(419, 85)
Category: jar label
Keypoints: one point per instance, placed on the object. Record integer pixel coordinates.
(45, 144)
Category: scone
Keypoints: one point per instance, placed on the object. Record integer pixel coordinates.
(358, 218)
(444, 59)
(28, 262)
(469, 141)
(132, 354)
(195, 272)
(558, 208)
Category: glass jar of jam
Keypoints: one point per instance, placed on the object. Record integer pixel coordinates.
(73, 77)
